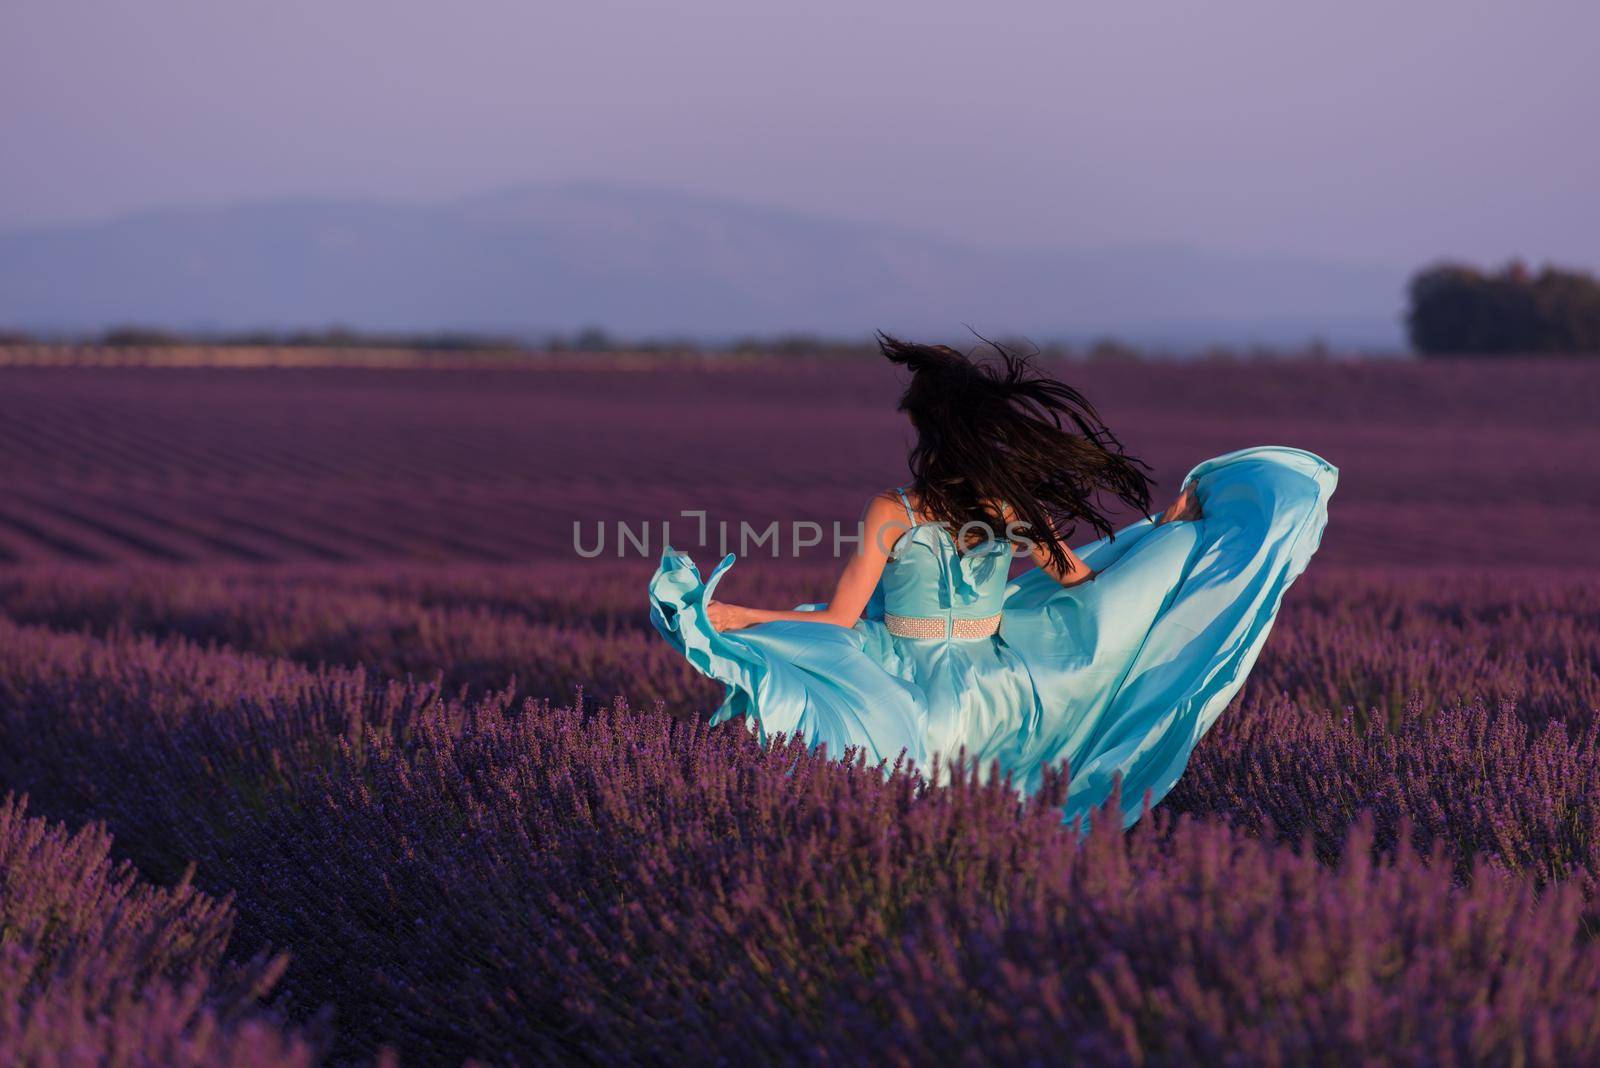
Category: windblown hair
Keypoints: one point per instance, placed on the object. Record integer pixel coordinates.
(990, 432)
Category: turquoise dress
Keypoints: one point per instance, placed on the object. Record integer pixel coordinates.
(1119, 675)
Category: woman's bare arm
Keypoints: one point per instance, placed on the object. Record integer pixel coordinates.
(1075, 571)
(1186, 506)
(882, 524)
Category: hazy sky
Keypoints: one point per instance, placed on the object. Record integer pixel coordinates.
(1391, 132)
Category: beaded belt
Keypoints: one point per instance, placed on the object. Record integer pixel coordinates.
(941, 626)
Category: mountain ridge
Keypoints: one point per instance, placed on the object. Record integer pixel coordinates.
(647, 261)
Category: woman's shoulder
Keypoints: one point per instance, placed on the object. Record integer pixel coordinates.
(885, 518)
(892, 499)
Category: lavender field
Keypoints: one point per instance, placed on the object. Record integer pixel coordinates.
(335, 749)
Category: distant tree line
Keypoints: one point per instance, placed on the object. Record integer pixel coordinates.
(587, 339)
(333, 337)
(1460, 309)
(594, 339)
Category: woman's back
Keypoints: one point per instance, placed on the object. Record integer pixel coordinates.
(928, 579)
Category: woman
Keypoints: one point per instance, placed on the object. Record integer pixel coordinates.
(1115, 658)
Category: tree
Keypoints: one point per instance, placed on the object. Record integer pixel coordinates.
(1460, 309)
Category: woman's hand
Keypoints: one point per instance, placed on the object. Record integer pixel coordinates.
(727, 616)
(1187, 506)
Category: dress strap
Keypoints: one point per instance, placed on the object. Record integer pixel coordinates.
(909, 514)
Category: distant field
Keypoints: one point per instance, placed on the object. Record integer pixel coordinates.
(202, 355)
(1482, 463)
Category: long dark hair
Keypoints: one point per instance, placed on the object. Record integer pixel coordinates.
(991, 431)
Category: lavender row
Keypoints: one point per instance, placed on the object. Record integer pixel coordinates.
(534, 883)
(1462, 463)
(1348, 639)
(98, 967)
(473, 630)
(1481, 784)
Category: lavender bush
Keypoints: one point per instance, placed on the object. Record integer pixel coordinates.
(100, 968)
(537, 631)
(1380, 638)
(1481, 784)
(174, 745)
